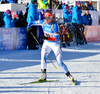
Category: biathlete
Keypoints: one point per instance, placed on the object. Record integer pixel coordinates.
(51, 43)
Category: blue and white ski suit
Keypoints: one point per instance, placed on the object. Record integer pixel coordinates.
(54, 46)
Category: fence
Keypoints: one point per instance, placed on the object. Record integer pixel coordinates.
(13, 39)
(92, 33)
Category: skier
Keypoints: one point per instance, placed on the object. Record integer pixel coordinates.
(51, 43)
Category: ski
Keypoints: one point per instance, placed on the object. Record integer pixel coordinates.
(73, 81)
(38, 82)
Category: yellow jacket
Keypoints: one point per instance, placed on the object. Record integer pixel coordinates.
(41, 5)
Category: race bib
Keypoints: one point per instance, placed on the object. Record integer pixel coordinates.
(48, 34)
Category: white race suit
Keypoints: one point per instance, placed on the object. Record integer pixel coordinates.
(54, 46)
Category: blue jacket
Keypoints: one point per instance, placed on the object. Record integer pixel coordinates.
(91, 7)
(87, 20)
(32, 15)
(41, 17)
(76, 15)
(8, 21)
(67, 16)
(44, 1)
(10, 1)
(63, 6)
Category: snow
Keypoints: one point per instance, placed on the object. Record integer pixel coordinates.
(21, 66)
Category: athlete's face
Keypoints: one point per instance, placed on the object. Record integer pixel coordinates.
(48, 21)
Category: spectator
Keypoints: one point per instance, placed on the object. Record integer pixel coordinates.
(71, 7)
(63, 6)
(56, 6)
(76, 14)
(67, 15)
(70, 10)
(87, 20)
(16, 1)
(41, 14)
(20, 15)
(48, 9)
(4, 1)
(44, 1)
(82, 6)
(32, 15)
(32, 12)
(86, 6)
(21, 22)
(1, 22)
(8, 21)
(11, 1)
(60, 5)
(26, 12)
(56, 2)
(41, 5)
(91, 6)
(26, 5)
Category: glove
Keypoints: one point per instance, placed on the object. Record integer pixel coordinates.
(44, 38)
(14, 19)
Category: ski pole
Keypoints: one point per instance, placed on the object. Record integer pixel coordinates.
(41, 47)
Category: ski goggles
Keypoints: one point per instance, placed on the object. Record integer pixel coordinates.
(48, 18)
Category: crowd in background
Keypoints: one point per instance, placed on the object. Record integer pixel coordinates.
(8, 1)
(86, 5)
(70, 14)
(73, 14)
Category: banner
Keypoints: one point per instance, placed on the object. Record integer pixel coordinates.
(92, 33)
(6, 38)
(13, 39)
(21, 38)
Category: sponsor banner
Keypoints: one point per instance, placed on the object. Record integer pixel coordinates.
(6, 38)
(99, 32)
(13, 39)
(21, 38)
(92, 33)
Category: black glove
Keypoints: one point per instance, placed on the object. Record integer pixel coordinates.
(14, 19)
(44, 38)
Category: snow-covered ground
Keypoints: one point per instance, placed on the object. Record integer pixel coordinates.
(21, 66)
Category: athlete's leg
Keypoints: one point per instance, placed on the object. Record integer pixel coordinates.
(58, 53)
(44, 52)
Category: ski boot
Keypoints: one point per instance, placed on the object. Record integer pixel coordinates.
(43, 76)
(71, 78)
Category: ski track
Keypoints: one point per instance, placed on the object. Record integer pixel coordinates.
(83, 61)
